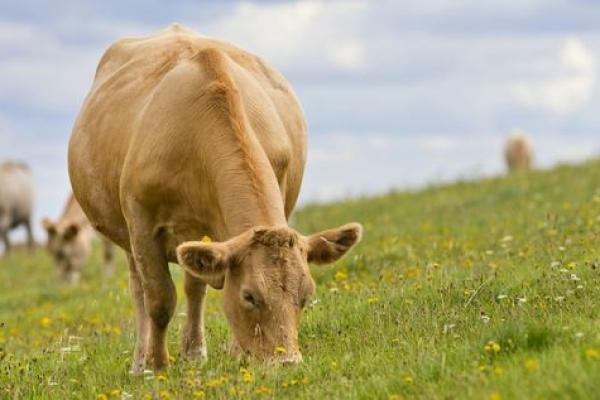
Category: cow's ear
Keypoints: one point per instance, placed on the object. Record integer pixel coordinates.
(207, 261)
(329, 246)
(49, 226)
(71, 231)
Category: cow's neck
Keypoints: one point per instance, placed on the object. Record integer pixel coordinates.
(247, 192)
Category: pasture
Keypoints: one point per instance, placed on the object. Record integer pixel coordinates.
(483, 290)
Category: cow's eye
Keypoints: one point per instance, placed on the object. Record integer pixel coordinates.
(249, 299)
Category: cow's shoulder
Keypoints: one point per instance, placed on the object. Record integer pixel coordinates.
(171, 41)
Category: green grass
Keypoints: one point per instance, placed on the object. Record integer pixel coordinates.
(480, 290)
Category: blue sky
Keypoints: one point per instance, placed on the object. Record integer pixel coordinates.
(396, 93)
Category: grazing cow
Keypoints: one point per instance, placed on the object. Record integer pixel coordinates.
(517, 152)
(70, 240)
(181, 137)
(16, 201)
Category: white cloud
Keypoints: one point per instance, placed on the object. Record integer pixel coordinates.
(14, 34)
(574, 87)
(348, 54)
(6, 134)
(40, 69)
(296, 34)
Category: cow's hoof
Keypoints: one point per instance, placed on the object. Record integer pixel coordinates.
(197, 353)
(137, 368)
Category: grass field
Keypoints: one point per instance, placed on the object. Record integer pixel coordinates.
(484, 290)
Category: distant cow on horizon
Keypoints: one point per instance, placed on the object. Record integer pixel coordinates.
(518, 152)
(16, 201)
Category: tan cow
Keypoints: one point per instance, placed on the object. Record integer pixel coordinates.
(70, 240)
(16, 201)
(517, 152)
(183, 136)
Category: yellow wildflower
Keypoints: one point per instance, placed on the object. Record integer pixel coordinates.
(408, 380)
(164, 394)
(532, 364)
(280, 350)
(161, 377)
(373, 300)
(246, 375)
(45, 322)
(341, 275)
(206, 239)
(592, 354)
(264, 390)
(499, 371)
(495, 396)
(412, 272)
(492, 347)
(115, 393)
(199, 394)
(101, 396)
(217, 382)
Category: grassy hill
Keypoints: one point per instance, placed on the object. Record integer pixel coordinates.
(484, 290)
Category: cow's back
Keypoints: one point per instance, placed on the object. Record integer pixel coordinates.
(126, 82)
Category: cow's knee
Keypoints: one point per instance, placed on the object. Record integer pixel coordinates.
(160, 308)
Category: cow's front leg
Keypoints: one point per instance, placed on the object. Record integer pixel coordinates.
(193, 341)
(160, 297)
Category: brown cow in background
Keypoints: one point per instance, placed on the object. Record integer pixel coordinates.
(70, 240)
(518, 152)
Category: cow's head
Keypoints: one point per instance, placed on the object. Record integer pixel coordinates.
(68, 247)
(266, 280)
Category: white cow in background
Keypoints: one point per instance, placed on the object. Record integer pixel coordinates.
(16, 201)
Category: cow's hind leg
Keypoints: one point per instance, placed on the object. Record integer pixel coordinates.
(4, 228)
(160, 297)
(6, 242)
(141, 319)
(193, 341)
(30, 239)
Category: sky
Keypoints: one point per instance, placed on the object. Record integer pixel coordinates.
(397, 94)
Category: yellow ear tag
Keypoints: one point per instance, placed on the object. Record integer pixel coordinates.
(206, 239)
